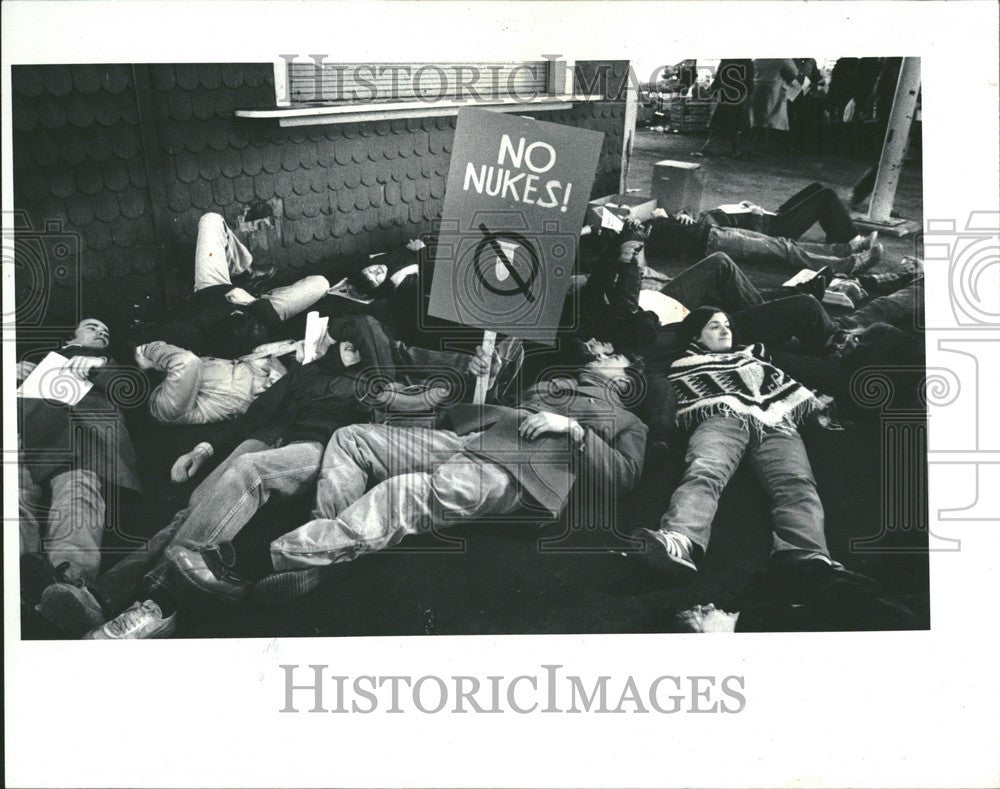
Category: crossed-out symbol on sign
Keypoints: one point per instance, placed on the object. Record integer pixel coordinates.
(496, 243)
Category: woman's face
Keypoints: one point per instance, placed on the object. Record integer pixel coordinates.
(717, 336)
(375, 274)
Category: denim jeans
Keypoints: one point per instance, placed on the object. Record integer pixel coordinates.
(422, 480)
(220, 506)
(779, 459)
(219, 256)
(74, 529)
(748, 247)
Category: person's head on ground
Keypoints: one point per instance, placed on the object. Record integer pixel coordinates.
(374, 275)
(91, 333)
(337, 355)
(705, 619)
(709, 327)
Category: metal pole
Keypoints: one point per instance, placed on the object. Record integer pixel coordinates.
(890, 165)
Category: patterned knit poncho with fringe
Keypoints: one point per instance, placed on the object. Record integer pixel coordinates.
(740, 383)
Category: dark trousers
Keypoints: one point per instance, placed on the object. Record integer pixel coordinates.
(815, 203)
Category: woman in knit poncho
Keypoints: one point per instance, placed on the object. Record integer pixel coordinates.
(736, 404)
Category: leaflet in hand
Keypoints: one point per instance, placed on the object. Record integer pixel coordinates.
(50, 380)
(315, 329)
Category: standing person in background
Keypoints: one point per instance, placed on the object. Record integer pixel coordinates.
(805, 112)
(839, 98)
(731, 90)
(769, 103)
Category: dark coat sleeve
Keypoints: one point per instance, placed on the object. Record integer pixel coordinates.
(265, 407)
(613, 462)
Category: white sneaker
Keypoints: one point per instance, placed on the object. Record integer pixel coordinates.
(142, 620)
(668, 550)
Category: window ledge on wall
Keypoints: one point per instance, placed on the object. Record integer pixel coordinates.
(354, 113)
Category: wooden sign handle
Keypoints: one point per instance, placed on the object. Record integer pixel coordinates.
(483, 381)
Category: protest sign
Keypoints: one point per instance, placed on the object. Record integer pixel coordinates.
(515, 200)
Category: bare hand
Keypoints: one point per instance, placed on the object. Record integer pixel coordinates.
(24, 369)
(141, 359)
(543, 422)
(80, 366)
(483, 362)
(684, 219)
(239, 297)
(187, 465)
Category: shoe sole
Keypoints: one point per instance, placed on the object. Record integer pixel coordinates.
(290, 585)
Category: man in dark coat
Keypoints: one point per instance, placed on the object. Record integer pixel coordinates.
(481, 462)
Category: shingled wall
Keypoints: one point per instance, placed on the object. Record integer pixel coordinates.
(81, 153)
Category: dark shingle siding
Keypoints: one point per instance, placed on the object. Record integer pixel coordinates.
(344, 189)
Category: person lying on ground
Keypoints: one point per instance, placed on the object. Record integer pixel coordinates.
(276, 450)
(883, 337)
(232, 309)
(681, 236)
(380, 483)
(387, 288)
(198, 390)
(815, 203)
(736, 404)
(610, 296)
(79, 455)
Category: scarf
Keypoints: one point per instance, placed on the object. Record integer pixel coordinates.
(739, 383)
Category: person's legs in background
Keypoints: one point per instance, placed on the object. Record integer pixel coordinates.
(291, 300)
(815, 203)
(748, 247)
(776, 322)
(717, 278)
(219, 255)
(902, 309)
